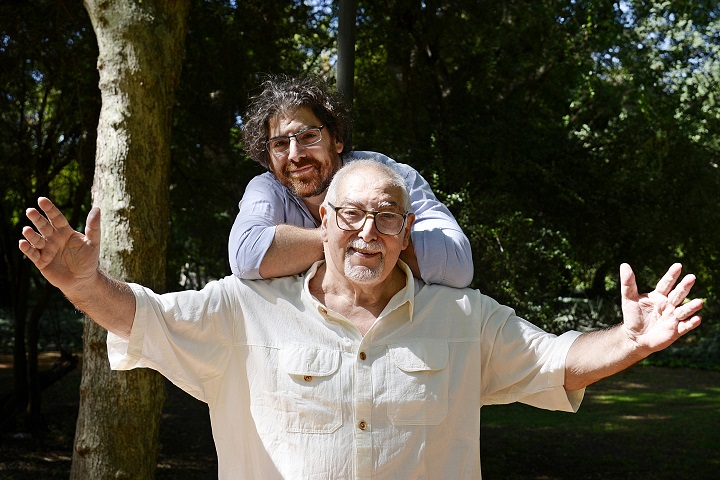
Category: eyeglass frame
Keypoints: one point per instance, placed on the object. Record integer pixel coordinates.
(368, 213)
(294, 135)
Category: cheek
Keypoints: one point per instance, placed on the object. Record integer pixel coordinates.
(274, 168)
(323, 231)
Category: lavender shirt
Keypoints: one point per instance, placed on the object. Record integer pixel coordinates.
(442, 249)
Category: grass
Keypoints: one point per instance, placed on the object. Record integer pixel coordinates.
(645, 423)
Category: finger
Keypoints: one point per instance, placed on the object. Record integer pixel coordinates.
(666, 283)
(53, 214)
(678, 295)
(29, 251)
(41, 223)
(628, 286)
(689, 309)
(33, 238)
(690, 324)
(43, 226)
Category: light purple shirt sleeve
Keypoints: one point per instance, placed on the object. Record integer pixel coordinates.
(442, 249)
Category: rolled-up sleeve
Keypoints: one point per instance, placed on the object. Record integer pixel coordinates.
(186, 336)
(523, 363)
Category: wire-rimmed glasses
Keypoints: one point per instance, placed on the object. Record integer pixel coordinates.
(281, 145)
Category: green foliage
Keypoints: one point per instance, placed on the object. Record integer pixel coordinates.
(566, 137)
(228, 49)
(577, 136)
(48, 115)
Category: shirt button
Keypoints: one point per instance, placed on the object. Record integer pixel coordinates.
(308, 378)
(362, 425)
(363, 356)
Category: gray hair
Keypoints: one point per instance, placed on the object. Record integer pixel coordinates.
(364, 165)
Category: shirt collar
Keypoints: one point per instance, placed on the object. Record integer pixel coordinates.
(405, 295)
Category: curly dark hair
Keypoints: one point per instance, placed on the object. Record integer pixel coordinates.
(282, 93)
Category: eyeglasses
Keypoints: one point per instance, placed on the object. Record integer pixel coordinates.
(353, 219)
(280, 145)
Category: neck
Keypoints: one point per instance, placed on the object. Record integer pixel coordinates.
(313, 204)
(359, 303)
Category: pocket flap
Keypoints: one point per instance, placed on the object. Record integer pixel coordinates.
(419, 356)
(304, 360)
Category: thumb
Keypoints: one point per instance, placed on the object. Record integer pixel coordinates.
(628, 285)
(92, 226)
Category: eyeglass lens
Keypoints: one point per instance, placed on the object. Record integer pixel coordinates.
(306, 138)
(389, 223)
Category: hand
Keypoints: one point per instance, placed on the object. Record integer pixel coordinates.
(65, 257)
(655, 320)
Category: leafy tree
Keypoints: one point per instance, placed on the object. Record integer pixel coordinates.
(562, 147)
(228, 50)
(48, 113)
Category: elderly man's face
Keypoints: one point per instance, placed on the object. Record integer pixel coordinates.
(366, 256)
(305, 170)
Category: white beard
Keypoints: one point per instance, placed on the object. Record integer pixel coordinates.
(360, 273)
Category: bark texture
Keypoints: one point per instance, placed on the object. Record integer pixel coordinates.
(141, 45)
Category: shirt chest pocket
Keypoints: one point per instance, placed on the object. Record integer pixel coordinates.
(418, 381)
(309, 389)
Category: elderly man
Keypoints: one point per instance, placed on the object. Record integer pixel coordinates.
(354, 369)
(299, 130)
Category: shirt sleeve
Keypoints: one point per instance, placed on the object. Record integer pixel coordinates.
(261, 210)
(523, 363)
(186, 336)
(442, 249)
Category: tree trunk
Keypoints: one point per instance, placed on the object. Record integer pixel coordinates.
(141, 47)
(346, 49)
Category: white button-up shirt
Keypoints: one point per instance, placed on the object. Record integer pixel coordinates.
(295, 391)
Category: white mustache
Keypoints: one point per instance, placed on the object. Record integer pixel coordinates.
(363, 246)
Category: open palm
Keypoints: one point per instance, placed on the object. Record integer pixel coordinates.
(656, 319)
(64, 256)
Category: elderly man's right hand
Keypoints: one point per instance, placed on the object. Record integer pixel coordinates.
(67, 258)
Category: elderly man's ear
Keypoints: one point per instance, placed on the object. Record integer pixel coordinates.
(323, 221)
(408, 227)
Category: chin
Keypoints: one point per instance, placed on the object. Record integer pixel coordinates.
(363, 275)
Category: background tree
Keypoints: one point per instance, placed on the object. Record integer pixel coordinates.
(140, 57)
(48, 113)
(567, 137)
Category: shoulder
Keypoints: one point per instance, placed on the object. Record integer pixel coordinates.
(264, 180)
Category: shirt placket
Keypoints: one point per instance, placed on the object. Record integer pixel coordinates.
(362, 409)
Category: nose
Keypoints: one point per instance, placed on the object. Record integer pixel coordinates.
(368, 230)
(296, 151)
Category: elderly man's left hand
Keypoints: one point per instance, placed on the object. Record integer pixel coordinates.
(655, 320)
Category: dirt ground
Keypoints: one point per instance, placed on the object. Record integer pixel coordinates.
(186, 447)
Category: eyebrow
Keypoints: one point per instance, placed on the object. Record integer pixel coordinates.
(350, 201)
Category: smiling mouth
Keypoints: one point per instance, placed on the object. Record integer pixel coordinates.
(364, 253)
(364, 250)
(301, 170)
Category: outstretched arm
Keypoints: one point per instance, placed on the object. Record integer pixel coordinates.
(69, 260)
(651, 322)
